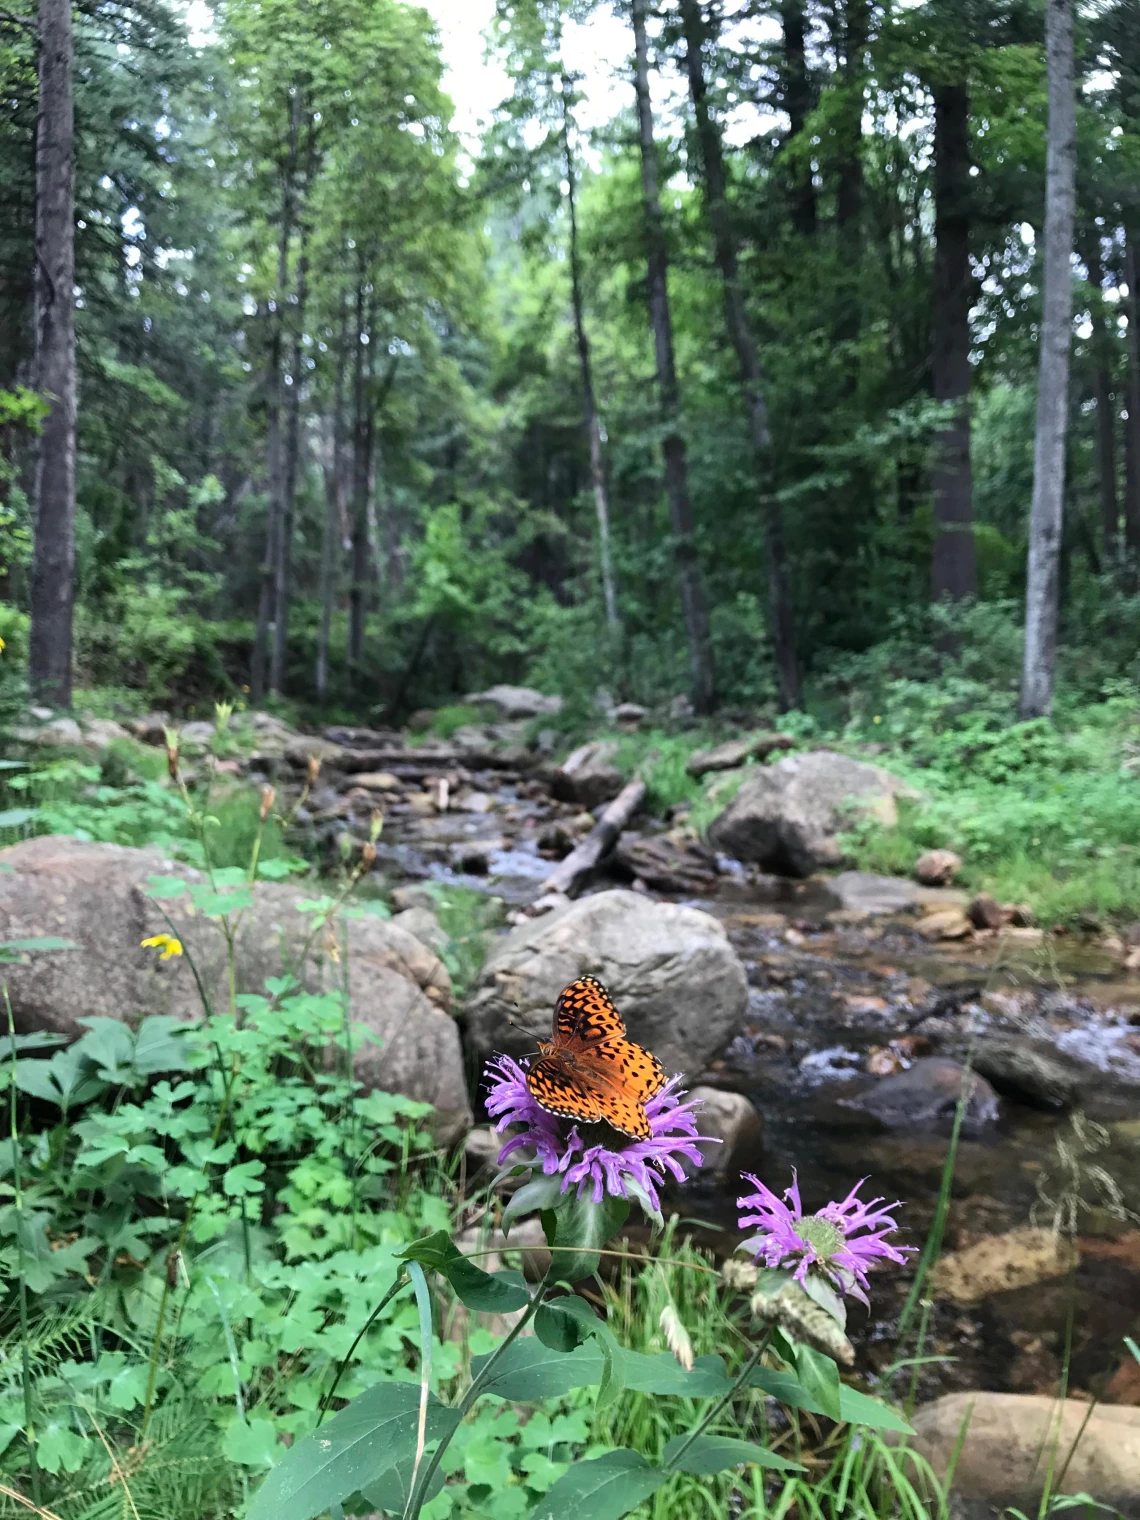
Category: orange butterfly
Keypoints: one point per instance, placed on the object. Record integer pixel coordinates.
(589, 1070)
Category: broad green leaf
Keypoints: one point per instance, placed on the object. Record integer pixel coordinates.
(488, 1292)
(861, 1409)
(160, 1045)
(348, 1453)
(273, 870)
(604, 1488)
(713, 1454)
(539, 1193)
(219, 904)
(392, 1490)
(160, 887)
(528, 1371)
(663, 1374)
(577, 1229)
(252, 1443)
(820, 1377)
(569, 1321)
(40, 1039)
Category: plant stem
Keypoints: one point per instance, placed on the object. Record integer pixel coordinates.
(741, 1378)
(401, 1282)
(420, 1488)
(17, 1180)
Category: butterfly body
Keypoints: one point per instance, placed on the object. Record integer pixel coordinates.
(589, 1070)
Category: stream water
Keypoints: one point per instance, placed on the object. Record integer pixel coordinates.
(832, 1009)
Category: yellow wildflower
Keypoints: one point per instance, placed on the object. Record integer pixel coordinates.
(164, 942)
(3, 645)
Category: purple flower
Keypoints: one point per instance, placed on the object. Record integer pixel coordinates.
(841, 1242)
(636, 1169)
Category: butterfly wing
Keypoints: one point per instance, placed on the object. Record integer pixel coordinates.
(585, 1015)
(561, 1092)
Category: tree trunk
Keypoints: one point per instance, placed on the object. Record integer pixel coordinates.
(851, 41)
(362, 440)
(53, 565)
(702, 675)
(334, 516)
(1132, 421)
(1053, 369)
(589, 404)
(780, 613)
(797, 99)
(283, 560)
(954, 570)
(1105, 408)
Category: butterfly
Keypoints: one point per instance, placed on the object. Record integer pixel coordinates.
(589, 1070)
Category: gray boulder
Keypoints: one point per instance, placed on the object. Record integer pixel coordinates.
(787, 816)
(668, 862)
(516, 701)
(928, 1091)
(733, 1134)
(93, 895)
(588, 776)
(734, 752)
(1006, 1455)
(671, 971)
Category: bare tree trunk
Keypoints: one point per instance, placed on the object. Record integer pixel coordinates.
(702, 674)
(283, 561)
(1053, 369)
(53, 565)
(1132, 421)
(954, 571)
(1105, 408)
(797, 100)
(334, 516)
(851, 34)
(589, 403)
(362, 440)
(780, 612)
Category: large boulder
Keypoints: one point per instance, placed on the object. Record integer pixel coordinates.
(928, 1091)
(93, 895)
(668, 862)
(671, 971)
(1018, 1259)
(516, 701)
(588, 775)
(787, 816)
(734, 752)
(1010, 1439)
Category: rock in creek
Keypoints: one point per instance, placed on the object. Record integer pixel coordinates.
(937, 868)
(734, 1134)
(673, 862)
(1017, 1259)
(587, 776)
(865, 893)
(928, 1091)
(671, 971)
(93, 894)
(1004, 1458)
(516, 702)
(787, 816)
(1033, 1071)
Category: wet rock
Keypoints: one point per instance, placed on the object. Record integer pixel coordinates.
(516, 701)
(55, 731)
(668, 862)
(303, 748)
(1008, 1436)
(786, 817)
(587, 776)
(404, 898)
(986, 913)
(732, 1120)
(937, 868)
(927, 1092)
(377, 781)
(94, 895)
(1032, 1071)
(1124, 1384)
(671, 970)
(1018, 1259)
(735, 752)
(475, 802)
(946, 923)
(555, 839)
(864, 893)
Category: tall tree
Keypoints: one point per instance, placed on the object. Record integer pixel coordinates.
(1053, 369)
(53, 568)
(796, 96)
(702, 673)
(1132, 392)
(585, 366)
(780, 610)
(1104, 398)
(954, 570)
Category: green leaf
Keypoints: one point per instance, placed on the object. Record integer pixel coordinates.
(663, 1374)
(604, 1488)
(219, 904)
(568, 1322)
(160, 1045)
(349, 1452)
(160, 887)
(392, 1490)
(252, 1443)
(713, 1454)
(45, 942)
(861, 1409)
(488, 1292)
(577, 1229)
(819, 1376)
(528, 1371)
(273, 870)
(540, 1193)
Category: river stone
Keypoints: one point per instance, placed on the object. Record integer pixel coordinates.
(1005, 1455)
(668, 862)
(928, 1091)
(733, 1134)
(786, 816)
(864, 892)
(93, 894)
(1017, 1259)
(588, 776)
(937, 868)
(516, 701)
(671, 971)
(1033, 1071)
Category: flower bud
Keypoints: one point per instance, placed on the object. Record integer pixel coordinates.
(368, 855)
(268, 798)
(314, 770)
(375, 827)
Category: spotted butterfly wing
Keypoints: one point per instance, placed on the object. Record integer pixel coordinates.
(590, 1070)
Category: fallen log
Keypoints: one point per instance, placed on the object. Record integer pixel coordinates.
(572, 872)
